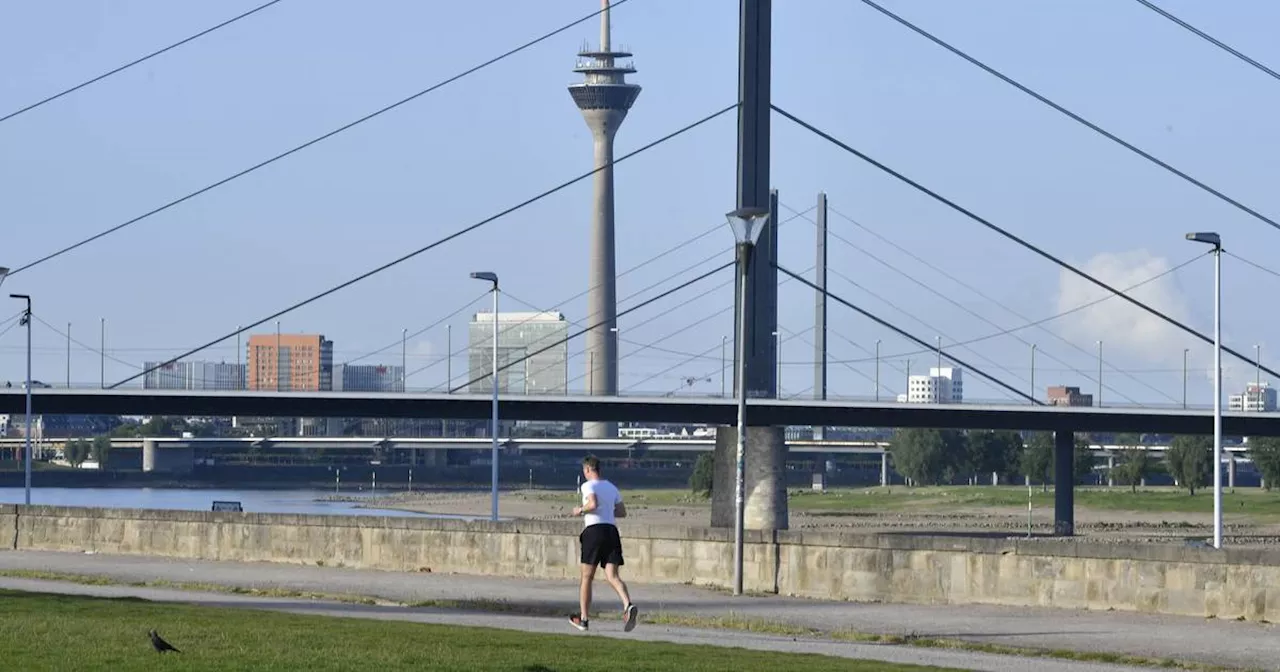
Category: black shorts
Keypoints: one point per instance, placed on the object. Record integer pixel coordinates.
(601, 545)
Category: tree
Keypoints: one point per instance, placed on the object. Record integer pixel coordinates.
(919, 454)
(101, 450)
(703, 479)
(1082, 459)
(1265, 453)
(76, 451)
(989, 451)
(1189, 459)
(1036, 459)
(1135, 464)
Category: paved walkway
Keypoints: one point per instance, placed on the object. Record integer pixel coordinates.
(1224, 643)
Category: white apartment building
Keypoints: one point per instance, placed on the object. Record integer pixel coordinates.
(942, 386)
(1257, 397)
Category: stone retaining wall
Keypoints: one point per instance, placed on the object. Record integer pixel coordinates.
(1150, 578)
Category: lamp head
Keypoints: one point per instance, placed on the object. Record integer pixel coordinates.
(1206, 237)
(487, 276)
(747, 223)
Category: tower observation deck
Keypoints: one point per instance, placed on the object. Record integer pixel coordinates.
(603, 97)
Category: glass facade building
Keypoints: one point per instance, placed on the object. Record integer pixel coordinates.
(520, 336)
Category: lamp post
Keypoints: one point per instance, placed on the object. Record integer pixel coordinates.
(777, 351)
(1033, 373)
(747, 224)
(404, 360)
(240, 377)
(877, 369)
(102, 353)
(1257, 374)
(448, 358)
(68, 355)
(1099, 374)
(1184, 377)
(1215, 240)
(26, 321)
(279, 357)
(493, 278)
(724, 342)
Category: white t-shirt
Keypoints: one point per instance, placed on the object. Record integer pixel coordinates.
(607, 496)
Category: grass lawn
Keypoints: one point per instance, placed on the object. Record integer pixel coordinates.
(901, 499)
(53, 632)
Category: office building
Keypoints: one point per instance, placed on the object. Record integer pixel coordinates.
(193, 376)
(368, 378)
(290, 363)
(942, 386)
(533, 344)
(1257, 397)
(1060, 395)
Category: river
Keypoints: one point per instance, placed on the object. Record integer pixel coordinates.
(253, 501)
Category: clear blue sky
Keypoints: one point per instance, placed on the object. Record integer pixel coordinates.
(298, 69)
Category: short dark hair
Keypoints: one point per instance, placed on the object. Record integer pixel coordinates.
(591, 462)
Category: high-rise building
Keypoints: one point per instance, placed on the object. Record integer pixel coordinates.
(520, 335)
(1060, 395)
(603, 97)
(368, 378)
(942, 386)
(1257, 397)
(290, 363)
(193, 376)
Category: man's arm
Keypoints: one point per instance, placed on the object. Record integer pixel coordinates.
(589, 506)
(619, 510)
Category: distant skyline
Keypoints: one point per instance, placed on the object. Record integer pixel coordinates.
(129, 143)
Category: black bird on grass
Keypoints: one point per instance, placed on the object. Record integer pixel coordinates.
(159, 644)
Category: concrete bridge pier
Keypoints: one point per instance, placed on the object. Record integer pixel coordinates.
(764, 482)
(1231, 472)
(175, 458)
(884, 469)
(1064, 480)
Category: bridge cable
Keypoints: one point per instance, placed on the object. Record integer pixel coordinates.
(652, 345)
(597, 325)
(967, 213)
(902, 332)
(1092, 126)
(1035, 323)
(675, 248)
(313, 141)
(702, 355)
(1208, 38)
(130, 64)
(450, 237)
(972, 312)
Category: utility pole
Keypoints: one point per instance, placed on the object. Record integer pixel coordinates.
(1184, 378)
(68, 355)
(102, 354)
(877, 369)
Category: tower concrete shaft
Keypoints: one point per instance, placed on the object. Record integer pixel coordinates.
(604, 97)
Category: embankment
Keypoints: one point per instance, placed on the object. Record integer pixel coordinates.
(1152, 578)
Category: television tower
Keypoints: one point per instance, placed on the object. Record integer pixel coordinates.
(604, 96)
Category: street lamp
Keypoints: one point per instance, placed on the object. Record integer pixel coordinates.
(1184, 377)
(26, 320)
(747, 224)
(777, 350)
(1215, 240)
(724, 342)
(1099, 374)
(404, 360)
(1033, 373)
(493, 278)
(877, 369)
(1257, 374)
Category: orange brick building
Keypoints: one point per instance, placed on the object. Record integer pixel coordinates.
(290, 363)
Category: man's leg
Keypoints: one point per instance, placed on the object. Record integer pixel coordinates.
(584, 591)
(619, 586)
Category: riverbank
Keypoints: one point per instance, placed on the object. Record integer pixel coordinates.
(1153, 514)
